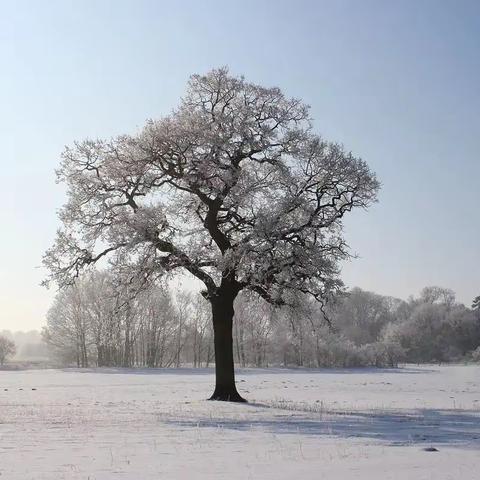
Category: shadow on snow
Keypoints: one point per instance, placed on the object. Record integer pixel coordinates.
(424, 426)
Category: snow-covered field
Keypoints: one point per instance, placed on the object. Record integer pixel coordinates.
(299, 424)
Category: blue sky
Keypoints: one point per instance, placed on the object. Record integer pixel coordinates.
(397, 82)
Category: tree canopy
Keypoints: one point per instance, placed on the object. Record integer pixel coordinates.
(233, 180)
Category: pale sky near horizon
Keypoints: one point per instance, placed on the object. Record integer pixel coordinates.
(398, 83)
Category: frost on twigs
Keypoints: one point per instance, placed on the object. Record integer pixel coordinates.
(232, 185)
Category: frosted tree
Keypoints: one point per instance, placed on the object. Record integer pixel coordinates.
(7, 349)
(441, 295)
(68, 324)
(476, 304)
(233, 187)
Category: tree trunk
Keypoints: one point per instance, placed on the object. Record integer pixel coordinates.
(222, 314)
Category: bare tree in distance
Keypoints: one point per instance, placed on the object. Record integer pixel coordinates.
(7, 349)
(435, 294)
(233, 187)
(476, 304)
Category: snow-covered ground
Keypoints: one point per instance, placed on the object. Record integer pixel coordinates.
(300, 424)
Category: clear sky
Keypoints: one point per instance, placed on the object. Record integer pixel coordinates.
(397, 82)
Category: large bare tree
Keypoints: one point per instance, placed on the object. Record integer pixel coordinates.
(233, 187)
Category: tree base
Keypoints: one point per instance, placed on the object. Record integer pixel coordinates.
(224, 395)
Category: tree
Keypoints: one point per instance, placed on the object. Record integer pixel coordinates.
(252, 327)
(435, 330)
(232, 187)
(68, 324)
(199, 330)
(476, 304)
(7, 349)
(362, 315)
(96, 321)
(445, 296)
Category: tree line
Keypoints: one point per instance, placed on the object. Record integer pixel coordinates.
(95, 323)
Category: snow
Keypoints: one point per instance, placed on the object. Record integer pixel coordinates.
(300, 424)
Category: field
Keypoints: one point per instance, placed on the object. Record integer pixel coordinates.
(300, 424)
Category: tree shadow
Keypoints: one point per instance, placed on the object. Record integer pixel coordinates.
(334, 370)
(423, 426)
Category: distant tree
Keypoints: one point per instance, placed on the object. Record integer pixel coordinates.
(68, 325)
(158, 328)
(7, 349)
(436, 331)
(200, 334)
(476, 304)
(475, 355)
(253, 327)
(361, 315)
(445, 296)
(233, 187)
(96, 321)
